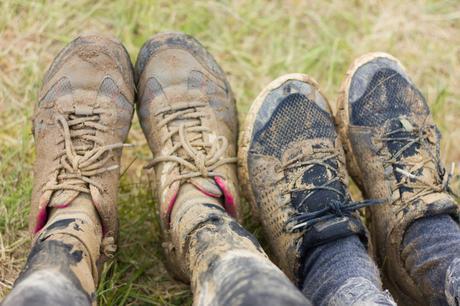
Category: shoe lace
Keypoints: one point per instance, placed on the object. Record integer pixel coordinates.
(333, 208)
(409, 134)
(84, 155)
(201, 157)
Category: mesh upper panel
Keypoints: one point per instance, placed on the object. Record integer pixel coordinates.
(286, 196)
(388, 95)
(59, 89)
(152, 89)
(295, 119)
(108, 88)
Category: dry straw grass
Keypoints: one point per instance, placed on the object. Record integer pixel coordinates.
(254, 41)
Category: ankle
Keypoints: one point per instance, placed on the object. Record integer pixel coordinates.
(77, 228)
(202, 230)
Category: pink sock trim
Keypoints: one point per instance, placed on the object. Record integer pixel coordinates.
(170, 207)
(229, 204)
(42, 217)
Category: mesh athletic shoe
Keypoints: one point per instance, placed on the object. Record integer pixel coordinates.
(293, 173)
(188, 115)
(392, 148)
(80, 123)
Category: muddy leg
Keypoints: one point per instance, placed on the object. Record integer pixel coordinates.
(431, 253)
(342, 273)
(61, 268)
(226, 263)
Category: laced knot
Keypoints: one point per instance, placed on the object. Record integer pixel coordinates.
(200, 155)
(303, 219)
(85, 154)
(414, 140)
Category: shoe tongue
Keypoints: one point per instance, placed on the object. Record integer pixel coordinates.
(314, 176)
(396, 145)
(61, 198)
(410, 155)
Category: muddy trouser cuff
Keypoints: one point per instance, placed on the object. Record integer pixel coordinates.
(342, 273)
(61, 265)
(50, 282)
(431, 255)
(226, 264)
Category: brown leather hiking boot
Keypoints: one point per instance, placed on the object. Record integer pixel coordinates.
(80, 123)
(293, 173)
(188, 115)
(392, 149)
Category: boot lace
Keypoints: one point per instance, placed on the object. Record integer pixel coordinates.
(333, 208)
(202, 157)
(409, 135)
(84, 155)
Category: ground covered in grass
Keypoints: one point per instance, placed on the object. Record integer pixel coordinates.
(254, 41)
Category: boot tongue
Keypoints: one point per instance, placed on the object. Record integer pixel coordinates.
(207, 186)
(192, 136)
(62, 198)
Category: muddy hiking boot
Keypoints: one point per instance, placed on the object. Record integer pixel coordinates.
(80, 125)
(188, 114)
(392, 149)
(292, 168)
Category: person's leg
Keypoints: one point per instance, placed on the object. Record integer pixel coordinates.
(293, 171)
(431, 254)
(226, 263)
(80, 123)
(392, 146)
(60, 269)
(342, 273)
(188, 115)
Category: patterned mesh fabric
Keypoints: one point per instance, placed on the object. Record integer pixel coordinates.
(295, 119)
(108, 88)
(387, 96)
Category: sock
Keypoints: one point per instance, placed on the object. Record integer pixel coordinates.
(342, 273)
(431, 253)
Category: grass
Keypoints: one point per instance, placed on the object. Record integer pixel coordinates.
(254, 41)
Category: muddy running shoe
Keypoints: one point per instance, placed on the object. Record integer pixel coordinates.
(188, 115)
(392, 148)
(292, 169)
(80, 124)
